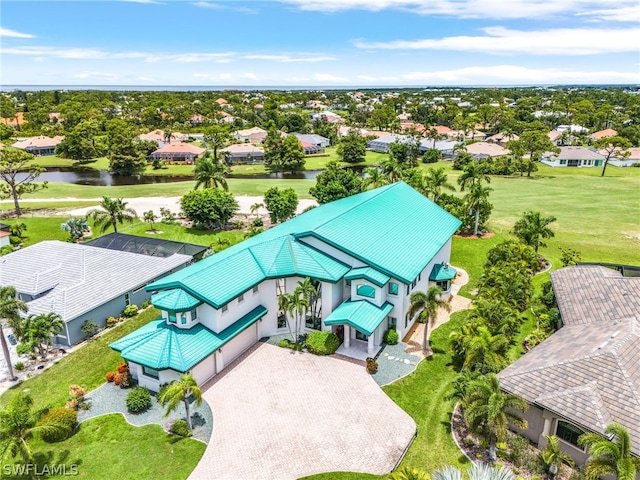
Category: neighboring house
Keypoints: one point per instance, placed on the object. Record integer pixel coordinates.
(486, 150)
(178, 152)
(5, 233)
(40, 145)
(364, 274)
(159, 137)
(555, 136)
(587, 374)
(573, 157)
(382, 144)
(418, 127)
(461, 135)
(80, 282)
(502, 138)
(609, 132)
(254, 135)
(404, 118)
(329, 116)
(445, 147)
(243, 153)
(317, 140)
(310, 148)
(16, 121)
(572, 128)
(632, 159)
(196, 119)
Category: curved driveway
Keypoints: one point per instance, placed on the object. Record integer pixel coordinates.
(278, 414)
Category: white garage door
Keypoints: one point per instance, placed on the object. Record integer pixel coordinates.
(239, 344)
(205, 369)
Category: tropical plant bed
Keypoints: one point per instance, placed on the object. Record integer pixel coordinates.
(519, 455)
(480, 236)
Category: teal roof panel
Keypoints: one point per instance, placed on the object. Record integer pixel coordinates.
(442, 272)
(175, 300)
(161, 346)
(368, 273)
(361, 315)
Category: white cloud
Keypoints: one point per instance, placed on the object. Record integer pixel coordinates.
(5, 32)
(623, 14)
(289, 59)
(514, 75)
(497, 9)
(500, 40)
(218, 6)
(100, 75)
(248, 76)
(327, 77)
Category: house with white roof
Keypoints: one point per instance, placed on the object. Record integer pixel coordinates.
(80, 282)
(573, 157)
(365, 255)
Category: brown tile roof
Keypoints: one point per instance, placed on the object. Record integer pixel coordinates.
(588, 374)
(243, 148)
(485, 148)
(180, 148)
(590, 293)
(39, 142)
(609, 132)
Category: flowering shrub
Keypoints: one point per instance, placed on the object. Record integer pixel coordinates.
(122, 368)
(110, 376)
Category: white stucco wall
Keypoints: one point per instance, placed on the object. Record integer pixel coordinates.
(332, 252)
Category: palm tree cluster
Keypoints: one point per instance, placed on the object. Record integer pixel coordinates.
(35, 331)
(210, 172)
(112, 211)
(295, 306)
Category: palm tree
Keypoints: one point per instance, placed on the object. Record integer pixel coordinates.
(76, 227)
(432, 134)
(39, 329)
(210, 173)
(219, 244)
(532, 228)
(476, 200)
(19, 423)
(427, 304)
(488, 410)
(180, 391)
(256, 207)
(150, 217)
(553, 456)
(373, 178)
(111, 212)
(486, 350)
(10, 308)
(610, 456)
(473, 174)
(308, 290)
(434, 181)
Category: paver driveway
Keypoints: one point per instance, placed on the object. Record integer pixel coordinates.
(278, 414)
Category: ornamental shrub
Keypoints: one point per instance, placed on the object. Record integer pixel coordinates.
(372, 365)
(110, 376)
(126, 379)
(322, 342)
(116, 378)
(123, 367)
(77, 391)
(391, 337)
(181, 428)
(62, 417)
(138, 400)
(111, 321)
(286, 343)
(130, 311)
(23, 349)
(19, 366)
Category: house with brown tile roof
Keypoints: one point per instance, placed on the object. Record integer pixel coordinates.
(608, 132)
(255, 135)
(178, 152)
(243, 153)
(632, 159)
(486, 150)
(587, 374)
(40, 145)
(502, 138)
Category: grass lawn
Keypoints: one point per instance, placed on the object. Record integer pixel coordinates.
(179, 233)
(40, 228)
(86, 366)
(28, 208)
(102, 449)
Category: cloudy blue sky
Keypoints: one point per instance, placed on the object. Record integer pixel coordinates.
(319, 42)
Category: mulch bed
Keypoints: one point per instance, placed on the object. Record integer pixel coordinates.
(475, 237)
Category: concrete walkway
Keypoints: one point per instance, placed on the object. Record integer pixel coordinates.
(280, 414)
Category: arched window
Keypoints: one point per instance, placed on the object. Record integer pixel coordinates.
(366, 291)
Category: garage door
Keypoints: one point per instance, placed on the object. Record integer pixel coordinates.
(205, 369)
(239, 344)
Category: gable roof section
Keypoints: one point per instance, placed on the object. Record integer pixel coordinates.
(394, 229)
(361, 315)
(73, 279)
(442, 272)
(174, 300)
(160, 346)
(591, 293)
(588, 374)
(368, 273)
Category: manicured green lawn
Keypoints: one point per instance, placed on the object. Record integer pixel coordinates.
(40, 228)
(86, 366)
(107, 447)
(29, 207)
(181, 234)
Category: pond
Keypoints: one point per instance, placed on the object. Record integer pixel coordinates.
(101, 178)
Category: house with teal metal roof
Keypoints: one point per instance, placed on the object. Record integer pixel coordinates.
(364, 254)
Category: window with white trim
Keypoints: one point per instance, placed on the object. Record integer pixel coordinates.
(150, 372)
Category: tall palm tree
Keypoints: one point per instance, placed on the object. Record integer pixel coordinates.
(427, 304)
(553, 456)
(476, 200)
(610, 456)
(488, 410)
(39, 330)
(180, 391)
(432, 134)
(486, 350)
(112, 211)
(434, 181)
(473, 174)
(374, 178)
(19, 423)
(308, 290)
(10, 308)
(210, 173)
(532, 228)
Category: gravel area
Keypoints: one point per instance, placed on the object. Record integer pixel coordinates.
(394, 363)
(110, 398)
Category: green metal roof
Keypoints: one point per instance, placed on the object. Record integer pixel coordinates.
(394, 229)
(160, 346)
(174, 300)
(442, 272)
(361, 315)
(368, 273)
